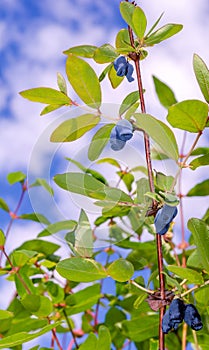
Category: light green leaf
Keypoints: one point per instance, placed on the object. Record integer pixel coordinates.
(5, 320)
(61, 82)
(99, 141)
(172, 282)
(44, 184)
(163, 33)
(153, 344)
(141, 328)
(140, 300)
(164, 182)
(202, 75)
(89, 343)
(50, 108)
(21, 257)
(159, 132)
(110, 161)
(3, 205)
(199, 151)
(84, 236)
(127, 10)
(128, 101)
(165, 94)
(46, 95)
(82, 50)
(72, 129)
(104, 340)
(84, 81)
(35, 217)
(201, 189)
(185, 273)
(38, 245)
(37, 305)
(15, 177)
(105, 72)
(121, 270)
(92, 172)
(105, 54)
(115, 80)
(24, 337)
(81, 270)
(68, 225)
(189, 115)
(200, 233)
(139, 22)
(122, 42)
(200, 161)
(155, 25)
(83, 299)
(2, 238)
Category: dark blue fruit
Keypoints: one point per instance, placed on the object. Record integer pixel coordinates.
(115, 143)
(166, 326)
(164, 217)
(176, 313)
(192, 317)
(123, 68)
(124, 130)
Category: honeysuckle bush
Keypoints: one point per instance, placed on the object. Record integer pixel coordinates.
(140, 254)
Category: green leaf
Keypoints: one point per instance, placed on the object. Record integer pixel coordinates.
(115, 80)
(163, 33)
(2, 238)
(164, 182)
(105, 72)
(24, 337)
(21, 257)
(15, 177)
(140, 300)
(50, 108)
(189, 115)
(82, 50)
(84, 81)
(3, 205)
(110, 161)
(5, 320)
(68, 225)
(44, 184)
(154, 344)
(199, 151)
(38, 305)
(92, 172)
(165, 94)
(202, 75)
(127, 10)
(72, 129)
(89, 343)
(105, 54)
(155, 25)
(81, 270)
(83, 300)
(139, 21)
(84, 236)
(38, 245)
(185, 273)
(121, 270)
(35, 217)
(99, 141)
(200, 234)
(200, 161)
(159, 132)
(104, 340)
(122, 42)
(201, 189)
(46, 95)
(61, 82)
(128, 101)
(141, 328)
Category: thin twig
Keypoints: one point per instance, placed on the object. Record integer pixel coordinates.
(142, 288)
(70, 328)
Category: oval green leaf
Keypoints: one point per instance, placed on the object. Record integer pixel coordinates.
(72, 129)
(68, 225)
(99, 141)
(17, 176)
(164, 93)
(202, 75)
(82, 50)
(115, 80)
(46, 95)
(84, 81)
(201, 189)
(163, 33)
(121, 270)
(122, 42)
(159, 132)
(185, 273)
(129, 101)
(105, 54)
(200, 233)
(189, 115)
(81, 270)
(200, 161)
(139, 21)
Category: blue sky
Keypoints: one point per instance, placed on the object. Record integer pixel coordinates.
(33, 34)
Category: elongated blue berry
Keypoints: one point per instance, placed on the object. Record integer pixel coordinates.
(164, 217)
(115, 143)
(124, 130)
(176, 313)
(192, 317)
(166, 325)
(123, 68)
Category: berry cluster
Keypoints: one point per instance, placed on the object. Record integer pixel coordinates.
(164, 217)
(123, 68)
(122, 132)
(177, 312)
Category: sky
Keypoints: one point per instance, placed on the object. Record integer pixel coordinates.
(33, 35)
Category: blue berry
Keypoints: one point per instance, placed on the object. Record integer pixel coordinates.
(164, 217)
(192, 317)
(166, 326)
(124, 130)
(176, 313)
(123, 68)
(115, 143)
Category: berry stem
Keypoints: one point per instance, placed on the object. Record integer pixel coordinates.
(136, 60)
